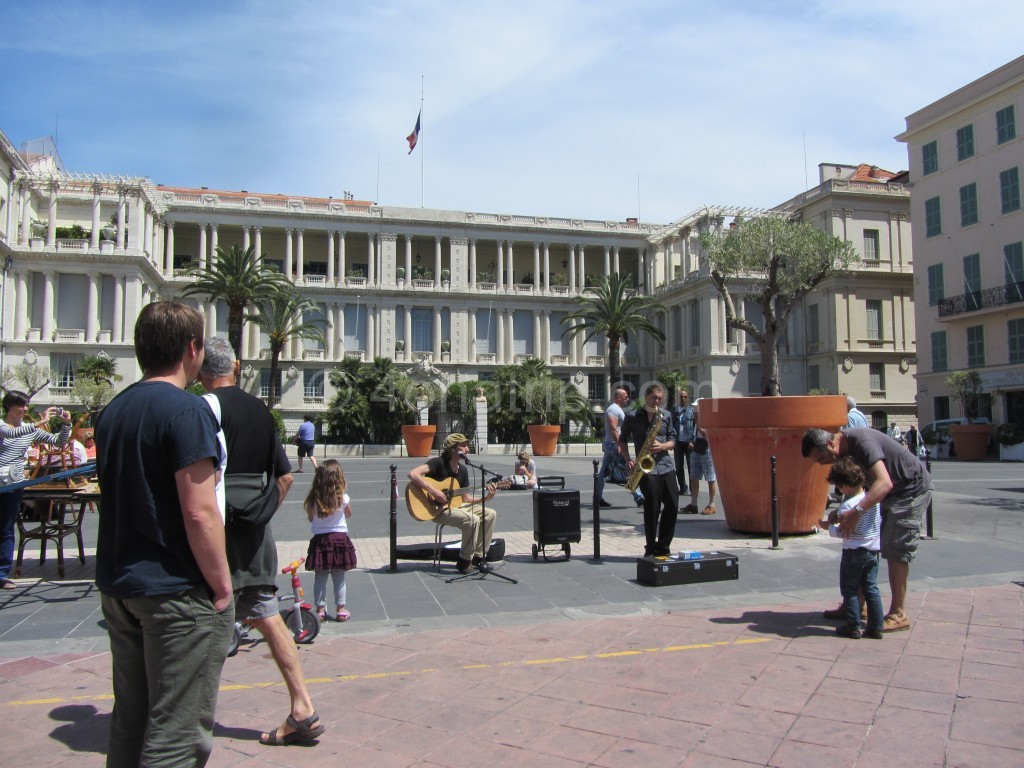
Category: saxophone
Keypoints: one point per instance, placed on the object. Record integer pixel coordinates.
(645, 459)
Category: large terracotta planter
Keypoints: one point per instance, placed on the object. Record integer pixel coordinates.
(744, 433)
(419, 438)
(970, 440)
(544, 438)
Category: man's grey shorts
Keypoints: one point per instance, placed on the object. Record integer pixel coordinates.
(901, 526)
(256, 602)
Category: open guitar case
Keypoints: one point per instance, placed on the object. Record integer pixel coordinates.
(449, 551)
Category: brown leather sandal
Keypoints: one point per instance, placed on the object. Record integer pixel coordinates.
(708, 510)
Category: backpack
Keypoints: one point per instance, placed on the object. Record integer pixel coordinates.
(250, 499)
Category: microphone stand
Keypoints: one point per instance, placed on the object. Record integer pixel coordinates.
(483, 568)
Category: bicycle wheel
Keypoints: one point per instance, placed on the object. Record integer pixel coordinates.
(303, 624)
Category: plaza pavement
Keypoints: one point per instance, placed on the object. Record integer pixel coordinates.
(578, 664)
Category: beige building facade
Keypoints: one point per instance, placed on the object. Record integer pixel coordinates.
(966, 155)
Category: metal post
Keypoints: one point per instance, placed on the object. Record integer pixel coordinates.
(928, 522)
(775, 508)
(597, 515)
(393, 526)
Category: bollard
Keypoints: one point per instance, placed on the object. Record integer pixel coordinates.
(775, 508)
(929, 530)
(393, 527)
(597, 515)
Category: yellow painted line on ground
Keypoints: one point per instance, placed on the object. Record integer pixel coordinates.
(424, 671)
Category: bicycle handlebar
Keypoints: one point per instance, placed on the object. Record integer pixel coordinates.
(294, 566)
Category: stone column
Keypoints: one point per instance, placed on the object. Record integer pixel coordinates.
(26, 219)
(371, 261)
(245, 238)
(547, 267)
(202, 246)
(94, 238)
(616, 260)
(407, 263)
(499, 336)
(169, 248)
(147, 232)
(499, 272)
(572, 270)
(437, 336)
(48, 305)
(545, 332)
(341, 332)
(537, 347)
(117, 329)
(20, 304)
(472, 336)
(536, 267)
(607, 261)
(511, 265)
(437, 270)
(214, 241)
(472, 263)
(371, 331)
(288, 258)
(330, 257)
(573, 357)
(51, 225)
(92, 311)
(407, 357)
(300, 256)
(341, 254)
(258, 250)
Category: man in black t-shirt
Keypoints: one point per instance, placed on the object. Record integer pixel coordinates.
(445, 469)
(254, 448)
(160, 563)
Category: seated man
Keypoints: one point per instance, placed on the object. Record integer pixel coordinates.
(445, 469)
(526, 468)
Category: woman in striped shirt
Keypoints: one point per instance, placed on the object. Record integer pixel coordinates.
(15, 440)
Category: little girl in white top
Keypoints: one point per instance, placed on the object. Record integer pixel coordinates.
(330, 550)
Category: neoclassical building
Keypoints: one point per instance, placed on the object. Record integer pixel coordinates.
(447, 294)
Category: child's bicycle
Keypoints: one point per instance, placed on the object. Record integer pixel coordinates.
(300, 617)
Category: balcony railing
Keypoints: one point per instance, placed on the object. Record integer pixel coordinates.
(990, 297)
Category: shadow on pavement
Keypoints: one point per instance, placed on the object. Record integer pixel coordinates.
(782, 624)
(87, 729)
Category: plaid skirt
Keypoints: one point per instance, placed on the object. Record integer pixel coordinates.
(331, 552)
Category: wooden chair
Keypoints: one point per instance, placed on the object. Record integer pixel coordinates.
(50, 519)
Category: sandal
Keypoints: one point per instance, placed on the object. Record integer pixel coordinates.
(894, 623)
(271, 739)
(709, 510)
(8, 584)
(343, 615)
(307, 729)
(690, 509)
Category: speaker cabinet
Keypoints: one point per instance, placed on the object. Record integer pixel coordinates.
(556, 516)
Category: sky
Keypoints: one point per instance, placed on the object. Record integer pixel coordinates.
(595, 109)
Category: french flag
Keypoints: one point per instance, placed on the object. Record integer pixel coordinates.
(413, 137)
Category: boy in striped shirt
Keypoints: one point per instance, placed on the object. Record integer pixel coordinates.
(858, 570)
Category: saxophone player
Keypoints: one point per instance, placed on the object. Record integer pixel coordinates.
(659, 486)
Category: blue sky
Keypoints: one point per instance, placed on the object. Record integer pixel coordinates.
(596, 109)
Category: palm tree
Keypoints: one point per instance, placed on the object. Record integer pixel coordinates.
(283, 320)
(238, 278)
(615, 310)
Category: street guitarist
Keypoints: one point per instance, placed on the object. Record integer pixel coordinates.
(449, 470)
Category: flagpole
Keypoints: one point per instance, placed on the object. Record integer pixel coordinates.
(421, 148)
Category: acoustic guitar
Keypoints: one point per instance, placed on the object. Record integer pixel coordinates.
(424, 507)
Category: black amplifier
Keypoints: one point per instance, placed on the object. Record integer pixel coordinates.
(711, 566)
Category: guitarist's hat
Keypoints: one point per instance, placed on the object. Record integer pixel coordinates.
(455, 438)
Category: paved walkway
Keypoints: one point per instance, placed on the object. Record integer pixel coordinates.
(578, 665)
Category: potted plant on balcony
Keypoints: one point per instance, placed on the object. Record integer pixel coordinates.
(1011, 442)
(400, 276)
(776, 263)
(970, 439)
